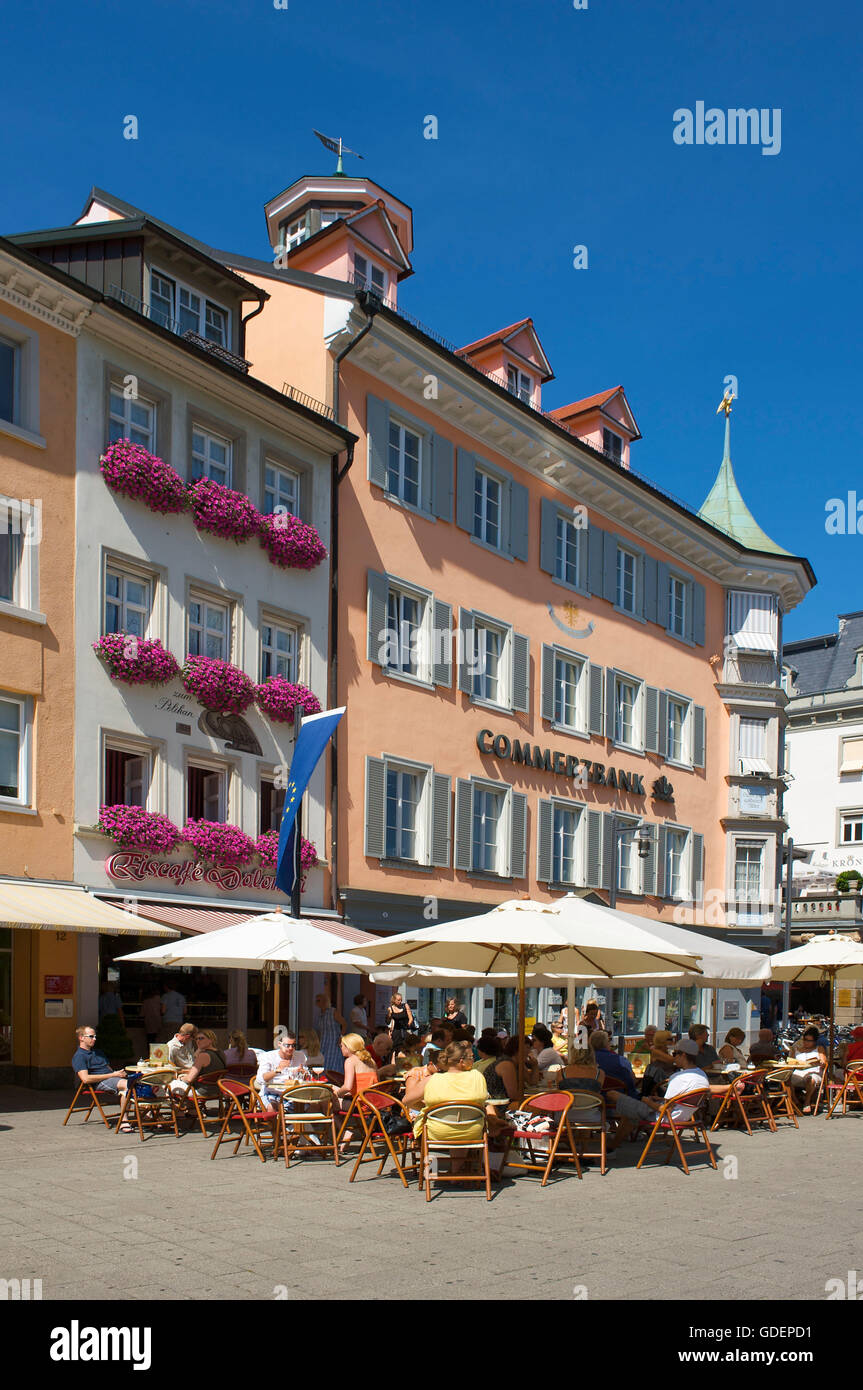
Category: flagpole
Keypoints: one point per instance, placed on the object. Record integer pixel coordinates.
(295, 891)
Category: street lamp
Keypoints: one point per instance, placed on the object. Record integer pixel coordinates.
(643, 839)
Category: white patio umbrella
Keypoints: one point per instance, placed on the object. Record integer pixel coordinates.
(527, 935)
(823, 958)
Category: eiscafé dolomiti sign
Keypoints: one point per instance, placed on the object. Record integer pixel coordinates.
(137, 867)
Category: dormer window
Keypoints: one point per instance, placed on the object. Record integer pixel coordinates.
(369, 276)
(182, 310)
(295, 232)
(329, 215)
(519, 383)
(612, 445)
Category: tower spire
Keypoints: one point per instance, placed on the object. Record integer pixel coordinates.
(724, 506)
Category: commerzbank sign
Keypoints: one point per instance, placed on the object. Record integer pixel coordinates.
(580, 770)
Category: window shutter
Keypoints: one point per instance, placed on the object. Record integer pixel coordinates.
(520, 672)
(464, 490)
(595, 562)
(609, 702)
(547, 534)
(518, 521)
(376, 769)
(441, 643)
(582, 558)
(441, 814)
(442, 477)
(518, 836)
(697, 889)
(545, 828)
(649, 865)
(467, 654)
(651, 719)
(609, 567)
(651, 580)
(698, 600)
(593, 850)
(597, 682)
(378, 594)
(662, 581)
(463, 822)
(547, 695)
(662, 738)
(698, 735)
(660, 861)
(377, 429)
(607, 848)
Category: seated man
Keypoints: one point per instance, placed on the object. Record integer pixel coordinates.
(688, 1077)
(611, 1063)
(381, 1051)
(434, 1046)
(708, 1057)
(94, 1069)
(645, 1044)
(181, 1047)
(765, 1049)
(279, 1065)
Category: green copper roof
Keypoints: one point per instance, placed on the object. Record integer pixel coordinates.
(725, 508)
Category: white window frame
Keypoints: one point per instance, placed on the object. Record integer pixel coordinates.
(615, 456)
(852, 763)
(518, 383)
(15, 346)
(296, 232)
(366, 275)
(292, 630)
(623, 554)
(504, 680)
(424, 674)
(285, 498)
(503, 847)
(212, 601)
(148, 752)
(25, 746)
(126, 573)
(637, 746)
(749, 763)
(22, 517)
(628, 856)
(399, 491)
(269, 779)
(685, 760)
(481, 519)
(760, 628)
(560, 547)
(577, 810)
(673, 581)
(25, 409)
(422, 828)
(205, 463)
(673, 832)
(204, 305)
(123, 417)
(750, 904)
(581, 691)
(212, 767)
(329, 216)
(849, 815)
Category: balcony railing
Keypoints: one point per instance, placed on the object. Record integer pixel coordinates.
(308, 401)
(131, 301)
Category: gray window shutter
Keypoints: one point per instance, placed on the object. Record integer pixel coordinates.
(609, 702)
(518, 836)
(442, 477)
(648, 876)
(441, 643)
(660, 861)
(520, 672)
(607, 848)
(467, 653)
(697, 889)
(662, 741)
(441, 815)
(377, 429)
(609, 567)
(698, 735)
(597, 686)
(545, 824)
(547, 534)
(593, 850)
(662, 579)
(595, 559)
(651, 719)
(375, 842)
(464, 490)
(518, 521)
(651, 579)
(698, 597)
(463, 823)
(547, 697)
(583, 557)
(378, 596)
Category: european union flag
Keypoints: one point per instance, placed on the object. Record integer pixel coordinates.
(315, 733)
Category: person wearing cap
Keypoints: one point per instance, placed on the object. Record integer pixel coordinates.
(687, 1078)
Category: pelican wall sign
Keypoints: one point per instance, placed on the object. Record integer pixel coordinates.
(233, 729)
(572, 615)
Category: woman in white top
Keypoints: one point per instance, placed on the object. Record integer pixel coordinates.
(810, 1058)
(731, 1050)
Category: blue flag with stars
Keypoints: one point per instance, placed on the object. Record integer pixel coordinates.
(315, 733)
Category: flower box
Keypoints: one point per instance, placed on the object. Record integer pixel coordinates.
(291, 543)
(267, 847)
(224, 845)
(133, 471)
(134, 828)
(279, 699)
(136, 660)
(222, 511)
(217, 685)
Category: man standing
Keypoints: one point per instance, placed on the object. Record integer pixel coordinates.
(173, 1009)
(111, 1003)
(93, 1068)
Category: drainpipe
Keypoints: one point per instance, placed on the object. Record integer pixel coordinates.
(243, 322)
(370, 304)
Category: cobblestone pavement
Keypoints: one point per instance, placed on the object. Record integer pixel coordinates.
(159, 1220)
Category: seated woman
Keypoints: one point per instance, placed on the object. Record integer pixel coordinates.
(582, 1073)
(360, 1074)
(543, 1048)
(732, 1050)
(810, 1058)
(455, 1081)
(501, 1077)
(310, 1043)
(531, 1070)
(238, 1051)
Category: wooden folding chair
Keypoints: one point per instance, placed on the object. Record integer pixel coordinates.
(673, 1129)
(242, 1071)
(374, 1103)
(198, 1103)
(850, 1089)
(149, 1110)
(745, 1097)
(352, 1110)
(546, 1105)
(320, 1115)
(91, 1088)
(251, 1120)
(583, 1102)
(777, 1092)
(459, 1116)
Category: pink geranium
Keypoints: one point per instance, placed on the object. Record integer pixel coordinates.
(217, 685)
(291, 543)
(267, 846)
(133, 471)
(280, 699)
(136, 660)
(134, 828)
(222, 511)
(224, 845)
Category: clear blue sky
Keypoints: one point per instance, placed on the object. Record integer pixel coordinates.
(555, 129)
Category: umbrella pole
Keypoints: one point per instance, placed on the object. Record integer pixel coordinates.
(570, 1016)
(275, 1005)
(832, 1029)
(521, 985)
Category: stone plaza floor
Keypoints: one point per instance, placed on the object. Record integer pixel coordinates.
(82, 1208)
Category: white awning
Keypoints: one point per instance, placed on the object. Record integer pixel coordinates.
(40, 907)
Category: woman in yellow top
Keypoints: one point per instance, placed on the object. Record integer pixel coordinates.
(456, 1081)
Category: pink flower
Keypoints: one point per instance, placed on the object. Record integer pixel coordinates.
(217, 685)
(133, 471)
(224, 845)
(136, 660)
(291, 543)
(280, 698)
(267, 846)
(134, 828)
(222, 511)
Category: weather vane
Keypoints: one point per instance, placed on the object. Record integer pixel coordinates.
(337, 148)
(725, 403)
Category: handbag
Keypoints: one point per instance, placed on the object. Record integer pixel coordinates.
(395, 1124)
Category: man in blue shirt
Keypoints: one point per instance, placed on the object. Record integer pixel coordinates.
(92, 1067)
(611, 1063)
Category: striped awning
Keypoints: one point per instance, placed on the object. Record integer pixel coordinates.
(197, 919)
(67, 907)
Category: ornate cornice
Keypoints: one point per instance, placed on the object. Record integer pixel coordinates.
(42, 297)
